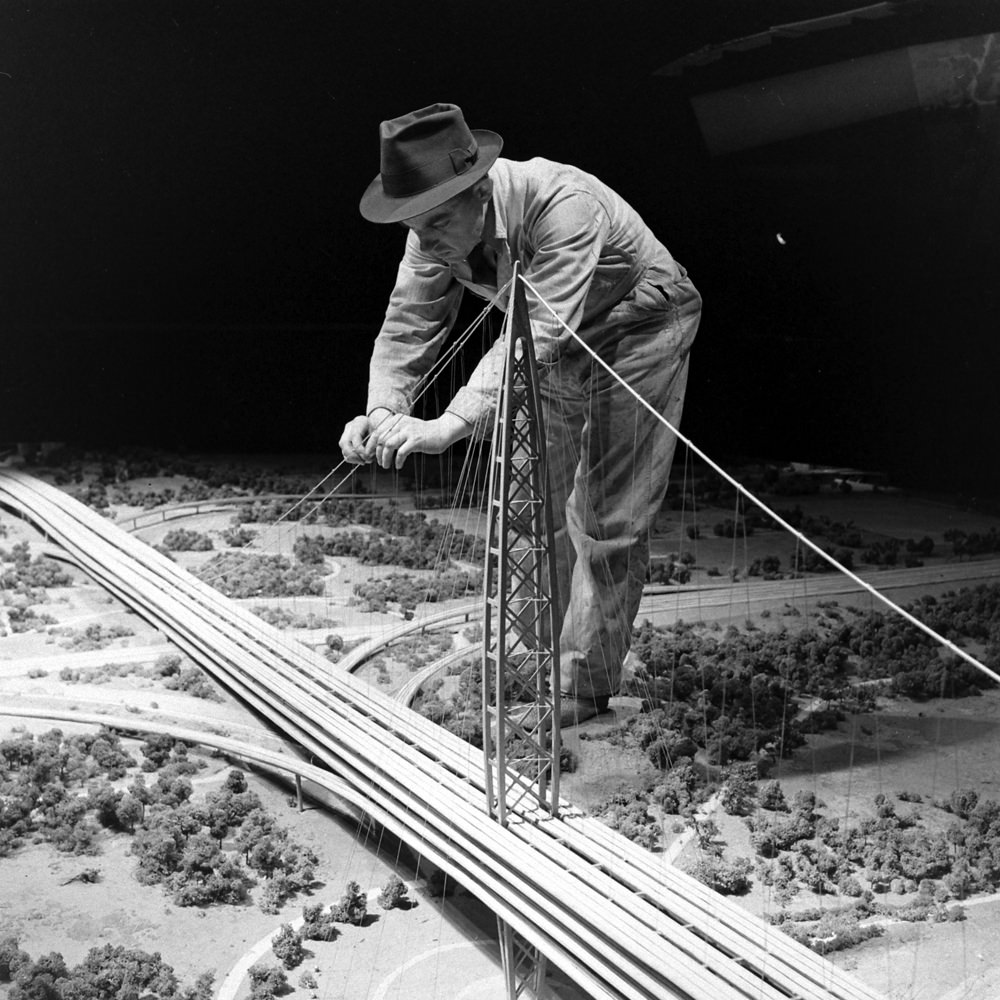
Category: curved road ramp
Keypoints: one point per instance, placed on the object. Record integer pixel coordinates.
(614, 918)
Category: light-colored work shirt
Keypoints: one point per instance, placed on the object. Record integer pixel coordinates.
(584, 249)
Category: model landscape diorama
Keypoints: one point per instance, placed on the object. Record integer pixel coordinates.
(797, 746)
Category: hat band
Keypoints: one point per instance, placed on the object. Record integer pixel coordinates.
(428, 175)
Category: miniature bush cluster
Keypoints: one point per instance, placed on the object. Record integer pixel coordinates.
(177, 843)
(242, 574)
(108, 971)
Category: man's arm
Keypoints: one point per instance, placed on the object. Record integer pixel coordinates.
(422, 310)
(421, 313)
(567, 236)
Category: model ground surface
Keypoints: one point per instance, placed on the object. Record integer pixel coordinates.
(87, 653)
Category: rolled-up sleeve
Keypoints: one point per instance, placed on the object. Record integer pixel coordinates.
(562, 243)
(421, 312)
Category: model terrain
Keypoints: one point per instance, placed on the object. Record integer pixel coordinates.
(781, 734)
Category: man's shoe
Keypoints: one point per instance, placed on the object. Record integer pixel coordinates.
(573, 711)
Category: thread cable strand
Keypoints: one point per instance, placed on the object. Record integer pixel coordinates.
(764, 507)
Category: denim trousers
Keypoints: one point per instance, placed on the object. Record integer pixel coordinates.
(608, 465)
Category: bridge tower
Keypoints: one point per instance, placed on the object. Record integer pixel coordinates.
(520, 671)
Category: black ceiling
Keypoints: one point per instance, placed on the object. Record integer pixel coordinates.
(183, 261)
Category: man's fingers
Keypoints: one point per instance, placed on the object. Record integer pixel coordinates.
(403, 452)
(366, 446)
(398, 438)
(384, 455)
(356, 445)
(347, 450)
(352, 447)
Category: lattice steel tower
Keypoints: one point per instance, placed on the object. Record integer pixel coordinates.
(521, 739)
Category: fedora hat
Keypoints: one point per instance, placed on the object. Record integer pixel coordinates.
(428, 156)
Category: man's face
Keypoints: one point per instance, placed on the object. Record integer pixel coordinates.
(450, 231)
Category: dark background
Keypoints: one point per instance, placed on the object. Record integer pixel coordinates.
(182, 263)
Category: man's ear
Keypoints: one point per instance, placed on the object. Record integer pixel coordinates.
(483, 189)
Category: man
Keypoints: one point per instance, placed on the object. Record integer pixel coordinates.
(469, 215)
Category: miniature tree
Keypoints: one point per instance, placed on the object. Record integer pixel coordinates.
(317, 925)
(256, 825)
(129, 812)
(202, 989)
(963, 801)
(266, 981)
(772, 797)
(156, 748)
(205, 875)
(11, 957)
(804, 804)
(707, 831)
(353, 906)
(276, 891)
(287, 946)
(739, 792)
(36, 980)
(117, 971)
(393, 893)
(725, 877)
(236, 781)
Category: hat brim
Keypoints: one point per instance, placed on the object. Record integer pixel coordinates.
(377, 206)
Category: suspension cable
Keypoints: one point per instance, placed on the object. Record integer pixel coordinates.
(958, 651)
(425, 382)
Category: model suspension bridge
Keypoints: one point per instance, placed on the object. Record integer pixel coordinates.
(620, 922)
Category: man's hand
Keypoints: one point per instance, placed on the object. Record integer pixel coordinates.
(398, 436)
(358, 440)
